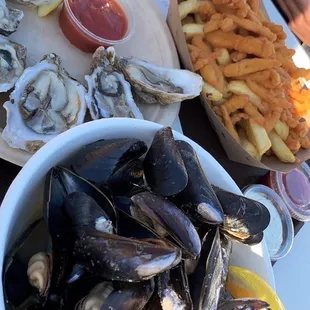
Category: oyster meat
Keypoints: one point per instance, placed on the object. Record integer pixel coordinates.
(109, 94)
(12, 63)
(46, 101)
(9, 19)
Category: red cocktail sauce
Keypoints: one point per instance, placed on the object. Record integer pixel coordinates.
(89, 23)
(294, 189)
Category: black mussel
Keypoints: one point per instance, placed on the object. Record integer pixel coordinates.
(98, 161)
(209, 278)
(166, 219)
(198, 198)
(83, 211)
(173, 289)
(127, 178)
(244, 304)
(246, 239)
(124, 259)
(60, 182)
(17, 289)
(164, 169)
(245, 219)
(128, 226)
(117, 295)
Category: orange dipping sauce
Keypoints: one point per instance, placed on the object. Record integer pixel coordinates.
(88, 24)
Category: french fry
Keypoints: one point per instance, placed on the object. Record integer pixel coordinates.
(191, 30)
(282, 130)
(258, 136)
(280, 149)
(224, 58)
(253, 112)
(240, 88)
(211, 93)
(247, 145)
(45, 9)
(188, 7)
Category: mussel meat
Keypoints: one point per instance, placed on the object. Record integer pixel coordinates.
(164, 169)
(173, 289)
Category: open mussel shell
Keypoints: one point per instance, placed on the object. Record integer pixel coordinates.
(60, 182)
(208, 280)
(244, 303)
(83, 210)
(198, 198)
(173, 289)
(17, 289)
(117, 295)
(167, 219)
(124, 259)
(98, 161)
(244, 217)
(164, 169)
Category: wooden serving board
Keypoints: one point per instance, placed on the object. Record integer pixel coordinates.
(151, 42)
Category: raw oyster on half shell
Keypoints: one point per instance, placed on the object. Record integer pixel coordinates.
(9, 19)
(153, 84)
(109, 94)
(12, 63)
(46, 101)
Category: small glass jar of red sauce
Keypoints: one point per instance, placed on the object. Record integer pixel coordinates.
(88, 24)
(294, 188)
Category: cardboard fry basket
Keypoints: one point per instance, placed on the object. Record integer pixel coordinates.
(233, 149)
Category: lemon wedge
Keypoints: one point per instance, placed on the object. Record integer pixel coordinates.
(44, 10)
(242, 283)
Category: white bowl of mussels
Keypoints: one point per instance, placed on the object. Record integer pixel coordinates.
(116, 212)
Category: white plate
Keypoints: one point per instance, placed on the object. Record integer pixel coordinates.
(151, 42)
(23, 202)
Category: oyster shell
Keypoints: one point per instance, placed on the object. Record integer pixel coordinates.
(153, 84)
(109, 94)
(46, 101)
(33, 2)
(12, 63)
(9, 19)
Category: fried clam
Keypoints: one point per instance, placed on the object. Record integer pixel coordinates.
(12, 62)
(166, 220)
(198, 199)
(124, 259)
(108, 160)
(9, 19)
(153, 84)
(173, 289)
(32, 271)
(163, 165)
(116, 295)
(46, 101)
(109, 94)
(207, 283)
(245, 219)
